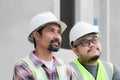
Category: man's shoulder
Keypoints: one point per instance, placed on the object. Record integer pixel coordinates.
(21, 62)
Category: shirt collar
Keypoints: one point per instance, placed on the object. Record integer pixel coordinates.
(38, 63)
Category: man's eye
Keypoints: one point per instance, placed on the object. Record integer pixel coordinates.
(59, 31)
(50, 30)
(85, 41)
(95, 39)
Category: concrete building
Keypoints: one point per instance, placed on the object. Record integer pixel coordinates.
(15, 16)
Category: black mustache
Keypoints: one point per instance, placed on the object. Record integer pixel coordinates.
(56, 40)
(90, 50)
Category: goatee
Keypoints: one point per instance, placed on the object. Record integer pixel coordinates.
(53, 47)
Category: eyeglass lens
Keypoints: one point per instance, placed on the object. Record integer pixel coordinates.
(86, 42)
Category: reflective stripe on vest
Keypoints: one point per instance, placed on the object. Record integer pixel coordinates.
(105, 71)
(39, 73)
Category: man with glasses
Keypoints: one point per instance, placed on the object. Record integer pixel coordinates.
(40, 64)
(84, 41)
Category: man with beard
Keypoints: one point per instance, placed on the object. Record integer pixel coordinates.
(40, 64)
(84, 41)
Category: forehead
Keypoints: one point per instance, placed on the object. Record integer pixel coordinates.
(52, 25)
(89, 36)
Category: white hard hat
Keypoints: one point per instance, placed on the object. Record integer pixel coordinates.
(81, 29)
(38, 21)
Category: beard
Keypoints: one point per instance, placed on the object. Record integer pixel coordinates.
(91, 59)
(94, 58)
(53, 47)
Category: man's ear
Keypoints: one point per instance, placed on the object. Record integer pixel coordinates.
(36, 35)
(75, 50)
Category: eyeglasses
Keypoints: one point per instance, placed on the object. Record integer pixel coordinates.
(85, 42)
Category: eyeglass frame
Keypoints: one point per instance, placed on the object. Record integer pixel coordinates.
(94, 40)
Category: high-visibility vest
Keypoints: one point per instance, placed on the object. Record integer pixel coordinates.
(39, 73)
(105, 71)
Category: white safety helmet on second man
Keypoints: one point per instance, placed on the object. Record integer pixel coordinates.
(81, 29)
(40, 20)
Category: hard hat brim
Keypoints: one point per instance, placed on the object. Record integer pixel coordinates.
(63, 26)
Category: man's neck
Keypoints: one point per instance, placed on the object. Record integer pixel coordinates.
(45, 55)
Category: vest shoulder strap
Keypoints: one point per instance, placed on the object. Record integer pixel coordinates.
(62, 70)
(38, 72)
(77, 71)
(109, 69)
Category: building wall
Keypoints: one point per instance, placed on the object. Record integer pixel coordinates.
(15, 16)
(114, 31)
(109, 27)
